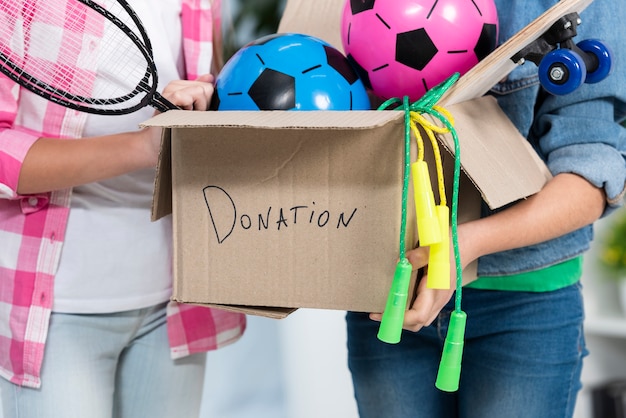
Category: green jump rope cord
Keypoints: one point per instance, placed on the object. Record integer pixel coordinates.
(390, 330)
(425, 106)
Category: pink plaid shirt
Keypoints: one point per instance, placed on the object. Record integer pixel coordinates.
(32, 228)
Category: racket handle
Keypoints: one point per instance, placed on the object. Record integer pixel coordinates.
(427, 223)
(449, 373)
(161, 104)
(390, 328)
(439, 257)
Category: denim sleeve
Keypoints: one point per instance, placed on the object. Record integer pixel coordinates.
(575, 133)
(584, 139)
(580, 132)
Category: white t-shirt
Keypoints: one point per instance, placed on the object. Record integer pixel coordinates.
(114, 258)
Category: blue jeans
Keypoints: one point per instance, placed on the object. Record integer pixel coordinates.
(110, 365)
(522, 358)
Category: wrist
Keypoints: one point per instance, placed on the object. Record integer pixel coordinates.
(469, 245)
(147, 147)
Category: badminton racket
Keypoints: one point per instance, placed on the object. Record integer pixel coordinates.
(93, 56)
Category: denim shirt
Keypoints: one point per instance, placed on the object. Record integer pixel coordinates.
(575, 133)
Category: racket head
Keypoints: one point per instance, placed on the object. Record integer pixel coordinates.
(98, 60)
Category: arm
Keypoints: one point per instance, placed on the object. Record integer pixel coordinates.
(566, 203)
(51, 164)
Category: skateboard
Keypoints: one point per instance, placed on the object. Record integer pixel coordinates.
(548, 42)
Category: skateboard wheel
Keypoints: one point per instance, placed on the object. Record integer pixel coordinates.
(601, 51)
(562, 71)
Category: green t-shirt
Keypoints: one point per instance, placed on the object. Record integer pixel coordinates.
(544, 280)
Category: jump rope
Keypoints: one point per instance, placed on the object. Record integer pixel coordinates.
(434, 225)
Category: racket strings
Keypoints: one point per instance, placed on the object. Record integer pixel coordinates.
(72, 53)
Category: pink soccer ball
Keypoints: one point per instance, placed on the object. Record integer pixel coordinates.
(405, 47)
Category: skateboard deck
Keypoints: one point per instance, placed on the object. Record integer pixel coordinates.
(499, 63)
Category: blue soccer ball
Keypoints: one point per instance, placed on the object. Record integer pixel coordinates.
(289, 71)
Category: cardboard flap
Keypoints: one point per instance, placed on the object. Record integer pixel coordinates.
(323, 20)
(162, 193)
(267, 312)
(499, 161)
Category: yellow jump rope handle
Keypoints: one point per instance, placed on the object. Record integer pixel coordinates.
(390, 328)
(428, 228)
(439, 258)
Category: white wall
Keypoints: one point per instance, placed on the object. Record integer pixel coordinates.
(290, 368)
(318, 382)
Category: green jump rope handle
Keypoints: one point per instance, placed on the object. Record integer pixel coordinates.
(450, 366)
(390, 328)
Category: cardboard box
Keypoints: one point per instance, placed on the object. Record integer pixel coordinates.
(275, 211)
